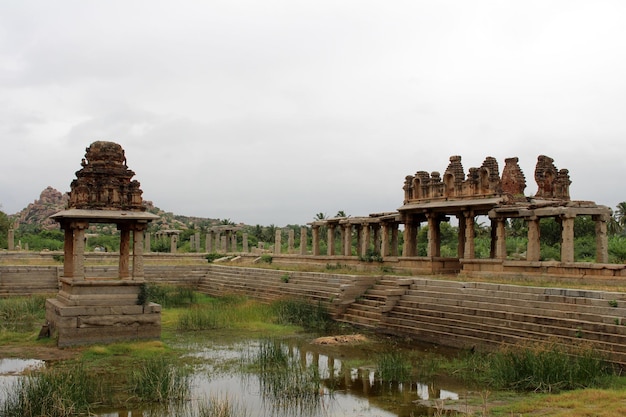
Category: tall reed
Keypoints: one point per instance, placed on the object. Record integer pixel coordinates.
(394, 367)
(55, 392)
(302, 313)
(159, 380)
(22, 313)
(547, 367)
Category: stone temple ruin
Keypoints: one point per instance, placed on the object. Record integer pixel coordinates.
(94, 310)
(430, 198)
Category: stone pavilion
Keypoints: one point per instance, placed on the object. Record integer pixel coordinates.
(97, 310)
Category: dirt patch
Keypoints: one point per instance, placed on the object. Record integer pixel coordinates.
(340, 340)
(44, 353)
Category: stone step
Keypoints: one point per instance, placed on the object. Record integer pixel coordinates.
(610, 303)
(574, 312)
(457, 334)
(518, 322)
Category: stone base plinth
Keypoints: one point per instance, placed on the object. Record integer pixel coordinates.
(101, 311)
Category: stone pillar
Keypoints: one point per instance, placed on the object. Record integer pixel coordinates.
(567, 239)
(138, 235)
(410, 238)
(11, 239)
(192, 243)
(394, 239)
(470, 251)
(198, 245)
(291, 236)
(330, 240)
(303, 239)
(78, 252)
(223, 244)
(68, 251)
(277, 240)
(124, 251)
(316, 239)
(377, 238)
(434, 235)
(602, 242)
(500, 237)
(218, 242)
(359, 239)
(233, 241)
(347, 239)
(461, 238)
(209, 242)
(366, 239)
(244, 243)
(146, 242)
(384, 247)
(174, 243)
(533, 249)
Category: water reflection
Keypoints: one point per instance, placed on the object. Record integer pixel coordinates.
(342, 390)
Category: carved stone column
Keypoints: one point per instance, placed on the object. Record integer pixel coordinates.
(410, 238)
(209, 242)
(330, 240)
(316, 239)
(291, 236)
(384, 246)
(124, 251)
(138, 236)
(394, 239)
(500, 238)
(567, 239)
(173, 243)
(461, 238)
(303, 240)
(366, 239)
(218, 242)
(434, 235)
(347, 239)
(11, 239)
(470, 252)
(68, 251)
(277, 241)
(533, 249)
(377, 237)
(359, 239)
(233, 241)
(244, 243)
(602, 242)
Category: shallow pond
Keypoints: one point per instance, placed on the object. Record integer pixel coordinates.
(348, 382)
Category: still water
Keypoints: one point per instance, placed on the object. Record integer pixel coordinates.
(349, 383)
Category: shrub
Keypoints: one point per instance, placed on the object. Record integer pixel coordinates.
(302, 313)
(547, 368)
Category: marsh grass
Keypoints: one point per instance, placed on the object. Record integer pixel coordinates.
(288, 386)
(302, 313)
(220, 407)
(55, 392)
(170, 296)
(394, 367)
(538, 367)
(22, 314)
(223, 313)
(160, 380)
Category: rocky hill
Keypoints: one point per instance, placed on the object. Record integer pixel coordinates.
(37, 214)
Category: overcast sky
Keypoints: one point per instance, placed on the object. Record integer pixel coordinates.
(268, 112)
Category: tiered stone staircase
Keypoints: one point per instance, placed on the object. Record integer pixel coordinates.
(335, 291)
(368, 309)
(468, 315)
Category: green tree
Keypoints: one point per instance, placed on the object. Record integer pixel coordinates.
(5, 224)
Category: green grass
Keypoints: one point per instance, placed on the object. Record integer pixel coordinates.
(393, 367)
(55, 392)
(159, 380)
(22, 314)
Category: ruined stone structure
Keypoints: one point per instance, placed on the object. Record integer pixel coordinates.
(89, 310)
(430, 199)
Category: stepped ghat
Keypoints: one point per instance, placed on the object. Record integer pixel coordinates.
(93, 310)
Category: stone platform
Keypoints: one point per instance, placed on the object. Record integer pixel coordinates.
(90, 311)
